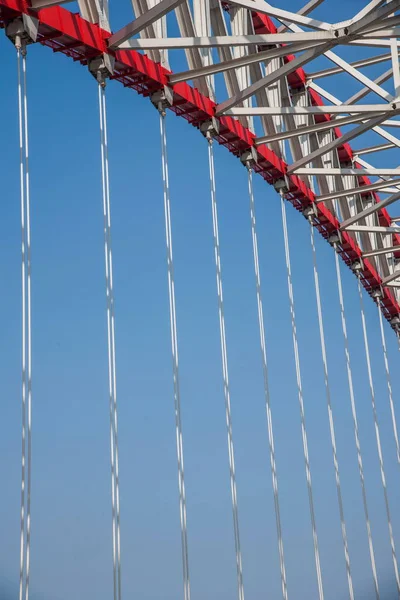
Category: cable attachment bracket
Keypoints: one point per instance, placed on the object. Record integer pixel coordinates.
(102, 68)
(210, 129)
(249, 158)
(162, 99)
(377, 294)
(23, 31)
(395, 323)
(282, 186)
(357, 267)
(310, 213)
(335, 240)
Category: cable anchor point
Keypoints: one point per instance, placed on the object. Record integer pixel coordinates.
(377, 294)
(162, 99)
(249, 158)
(357, 267)
(18, 44)
(310, 213)
(282, 186)
(395, 323)
(335, 240)
(22, 32)
(102, 68)
(210, 129)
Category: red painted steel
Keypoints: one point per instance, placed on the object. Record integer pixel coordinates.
(71, 35)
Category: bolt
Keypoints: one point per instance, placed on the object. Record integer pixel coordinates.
(161, 109)
(101, 80)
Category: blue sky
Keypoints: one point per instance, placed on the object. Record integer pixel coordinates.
(71, 506)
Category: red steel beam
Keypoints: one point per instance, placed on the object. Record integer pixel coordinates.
(71, 35)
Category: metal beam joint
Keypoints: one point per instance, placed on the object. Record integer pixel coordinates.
(23, 31)
(282, 186)
(249, 158)
(357, 266)
(210, 128)
(102, 67)
(162, 99)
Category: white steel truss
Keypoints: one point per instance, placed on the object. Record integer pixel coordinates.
(246, 71)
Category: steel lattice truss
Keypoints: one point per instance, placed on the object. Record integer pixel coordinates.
(244, 60)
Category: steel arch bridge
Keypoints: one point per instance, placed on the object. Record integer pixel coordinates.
(247, 75)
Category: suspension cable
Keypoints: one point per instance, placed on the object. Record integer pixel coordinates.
(266, 385)
(22, 192)
(112, 378)
(175, 362)
(355, 424)
(25, 533)
(377, 434)
(301, 401)
(29, 331)
(388, 380)
(330, 412)
(225, 374)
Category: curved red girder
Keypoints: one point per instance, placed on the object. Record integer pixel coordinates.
(75, 37)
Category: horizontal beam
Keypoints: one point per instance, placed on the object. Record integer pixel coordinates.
(220, 41)
(381, 251)
(393, 32)
(391, 123)
(148, 18)
(390, 277)
(373, 42)
(260, 111)
(345, 171)
(373, 229)
(373, 187)
(371, 149)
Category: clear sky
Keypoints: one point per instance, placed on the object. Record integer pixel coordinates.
(71, 504)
